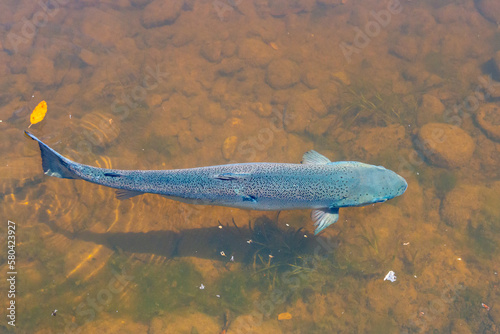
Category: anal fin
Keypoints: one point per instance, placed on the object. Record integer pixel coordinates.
(324, 218)
(122, 194)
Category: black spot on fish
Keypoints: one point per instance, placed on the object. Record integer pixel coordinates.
(250, 198)
(112, 174)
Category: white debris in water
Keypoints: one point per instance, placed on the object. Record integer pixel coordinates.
(391, 276)
(202, 286)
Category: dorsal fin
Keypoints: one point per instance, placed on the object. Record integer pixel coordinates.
(313, 157)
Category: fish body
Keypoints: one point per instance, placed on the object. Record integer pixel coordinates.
(317, 183)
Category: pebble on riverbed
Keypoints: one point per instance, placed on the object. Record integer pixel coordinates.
(445, 145)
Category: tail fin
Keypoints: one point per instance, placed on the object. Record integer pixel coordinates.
(53, 163)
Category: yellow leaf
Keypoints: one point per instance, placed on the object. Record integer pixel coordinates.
(284, 316)
(38, 113)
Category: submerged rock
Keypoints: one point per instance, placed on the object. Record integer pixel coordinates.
(471, 205)
(159, 13)
(490, 9)
(496, 60)
(282, 73)
(431, 110)
(445, 145)
(488, 118)
(313, 99)
(298, 115)
(212, 51)
(213, 113)
(229, 146)
(104, 26)
(255, 52)
(41, 71)
(406, 48)
(372, 142)
(460, 204)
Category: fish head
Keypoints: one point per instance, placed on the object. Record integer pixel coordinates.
(374, 184)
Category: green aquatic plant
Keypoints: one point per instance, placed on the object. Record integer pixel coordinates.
(370, 237)
(380, 106)
(275, 250)
(365, 105)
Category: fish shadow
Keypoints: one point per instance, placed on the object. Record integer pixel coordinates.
(225, 243)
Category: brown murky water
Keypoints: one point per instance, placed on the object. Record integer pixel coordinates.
(141, 84)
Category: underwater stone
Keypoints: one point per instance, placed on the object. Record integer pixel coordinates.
(496, 59)
(213, 113)
(229, 146)
(460, 204)
(228, 67)
(313, 99)
(406, 48)
(41, 70)
(445, 145)
(490, 9)
(212, 51)
(104, 27)
(159, 13)
(431, 109)
(298, 115)
(282, 73)
(488, 118)
(255, 52)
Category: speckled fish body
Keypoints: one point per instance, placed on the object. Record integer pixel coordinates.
(316, 184)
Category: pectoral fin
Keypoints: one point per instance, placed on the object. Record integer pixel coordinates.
(324, 218)
(313, 157)
(122, 194)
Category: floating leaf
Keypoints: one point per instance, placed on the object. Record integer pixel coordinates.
(284, 316)
(38, 113)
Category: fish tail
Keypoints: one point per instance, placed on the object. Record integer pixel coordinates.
(53, 163)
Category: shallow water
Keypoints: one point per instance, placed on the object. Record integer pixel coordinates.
(132, 84)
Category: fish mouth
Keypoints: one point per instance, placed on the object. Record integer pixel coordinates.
(403, 186)
(381, 200)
